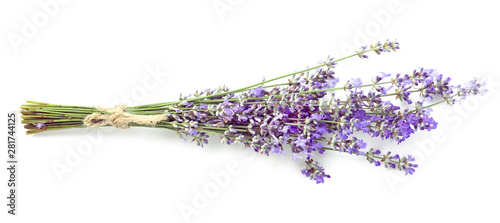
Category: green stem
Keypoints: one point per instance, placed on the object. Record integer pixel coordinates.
(251, 86)
(428, 106)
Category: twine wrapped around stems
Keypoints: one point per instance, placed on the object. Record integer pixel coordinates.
(297, 113)
(118, 118)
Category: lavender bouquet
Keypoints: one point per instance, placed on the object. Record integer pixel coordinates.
(302, 112)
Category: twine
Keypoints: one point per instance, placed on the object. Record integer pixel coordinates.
(120, 119)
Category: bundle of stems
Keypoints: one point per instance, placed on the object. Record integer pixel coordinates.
(299, 112)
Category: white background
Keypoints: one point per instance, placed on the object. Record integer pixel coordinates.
(102, 53)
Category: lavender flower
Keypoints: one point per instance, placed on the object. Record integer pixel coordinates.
(295, 115)
(303, 116)
(356, 83)
(40, 125)
(314, 171)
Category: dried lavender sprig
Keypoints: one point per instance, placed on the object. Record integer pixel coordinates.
(266, 149)
(379, 47)
(150, 108)
(265, 122)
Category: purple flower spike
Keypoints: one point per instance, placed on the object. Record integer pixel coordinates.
(302, 113)
(356, 82)
(40, 125)
(314, 171)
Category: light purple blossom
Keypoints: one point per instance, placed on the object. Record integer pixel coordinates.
(40, 125)
(295, 115)
(356, 82)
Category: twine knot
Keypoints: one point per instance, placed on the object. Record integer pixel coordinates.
(118, 118)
